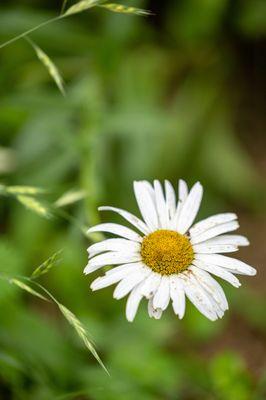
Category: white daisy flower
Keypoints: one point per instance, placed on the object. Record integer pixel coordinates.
(169, 258)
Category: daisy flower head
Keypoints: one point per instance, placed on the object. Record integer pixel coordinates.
(169, 258)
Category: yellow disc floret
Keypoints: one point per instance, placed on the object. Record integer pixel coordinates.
(167, 252)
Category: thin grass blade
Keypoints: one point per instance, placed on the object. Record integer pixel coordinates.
(34, 205)
(70, 197)
(28, 190)
(64, 4)
(121, 8)
(49, 65)
(46, 265)
(27, 288)
(81, 6)
(81, 331)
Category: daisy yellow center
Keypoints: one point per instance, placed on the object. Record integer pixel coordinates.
(167, 252)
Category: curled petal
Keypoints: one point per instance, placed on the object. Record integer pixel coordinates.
(154, 312)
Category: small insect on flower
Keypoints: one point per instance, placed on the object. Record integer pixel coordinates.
(169, 258)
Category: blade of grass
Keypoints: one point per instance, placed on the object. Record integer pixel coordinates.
(76, 324)
(46, 265)
(35, 28)
(49, 65)
(82, 6)
(63, 7)
(120, 8)
(77, 8)
(81, 331)
(34, 205)
(27, 288)
(69, 315)
(70, 197)
(28, 190)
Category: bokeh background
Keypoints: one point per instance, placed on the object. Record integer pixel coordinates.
(176, 94)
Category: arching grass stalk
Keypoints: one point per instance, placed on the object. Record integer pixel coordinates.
(76, 8)
(81, 6)
(71, 318)
(29, 31)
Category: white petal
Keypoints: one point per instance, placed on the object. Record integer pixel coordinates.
(135, 221)
(234, 265)
(129, 282)
(154, 312)
(198, 297)
(114, 245)
(150, 189)
(182, 196)
(211, 222)
(217, 230)
(206, 248)
(118, 230)
(211, 286)
(146, 205)
(178, 296)
(162, 296)
(133, 301)
(190, 208)
(132, 266)
(218, 271)
(182, 190)
(234, 240)
(110, 258)
(170, 198)
(162, 210)
(110, 279)
(217, 306)
(151, 284)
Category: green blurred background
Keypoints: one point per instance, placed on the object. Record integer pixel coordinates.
(176, 94)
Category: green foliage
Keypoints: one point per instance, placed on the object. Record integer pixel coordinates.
(165, 96)
(230, 378)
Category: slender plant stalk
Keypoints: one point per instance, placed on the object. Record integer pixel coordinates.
(63, 7)
(70, 317)
(22, 35)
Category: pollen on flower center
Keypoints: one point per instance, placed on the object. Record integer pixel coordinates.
(167, 252)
